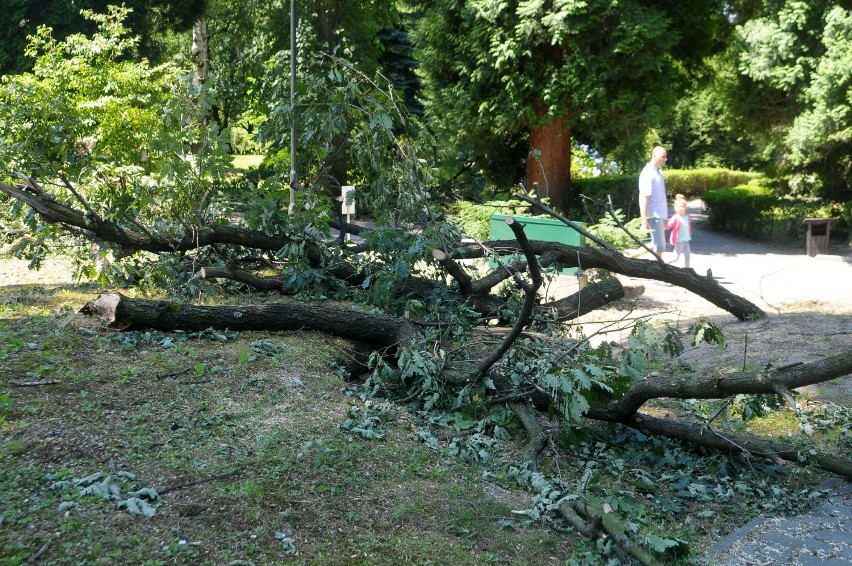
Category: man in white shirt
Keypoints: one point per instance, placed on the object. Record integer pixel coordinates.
(653, 205)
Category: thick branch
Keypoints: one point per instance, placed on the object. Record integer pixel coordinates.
(701, 434)
(712, 387)
(56, 212)
(588, 258)
(530, 293)
(536, 434)
(455, 270)
(588, 299)
(337, 320)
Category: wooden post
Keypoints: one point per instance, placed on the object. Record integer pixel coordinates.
(818, 231)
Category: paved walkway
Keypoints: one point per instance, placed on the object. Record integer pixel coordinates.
(766, 274)
(822, 537)
(776, 277)
(769, 274)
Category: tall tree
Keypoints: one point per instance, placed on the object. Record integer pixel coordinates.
(515, 80)
(147, 19)
(779, 97)
(790, 89)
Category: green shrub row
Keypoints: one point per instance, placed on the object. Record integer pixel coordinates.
(589, 196)
(754, 211)
(743, 210)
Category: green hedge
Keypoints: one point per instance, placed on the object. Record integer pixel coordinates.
(624, 189)
(754, 211)
(742, 210)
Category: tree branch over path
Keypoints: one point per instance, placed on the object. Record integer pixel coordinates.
(588, 258)
(719, 387)
(549, 253)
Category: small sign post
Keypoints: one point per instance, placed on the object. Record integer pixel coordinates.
(347, 206)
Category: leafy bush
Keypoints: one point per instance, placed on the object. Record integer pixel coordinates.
(745, 210)
(754, 210)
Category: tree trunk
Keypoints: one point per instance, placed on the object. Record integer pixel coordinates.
(552, 168)
(200, 53)
(116, 310)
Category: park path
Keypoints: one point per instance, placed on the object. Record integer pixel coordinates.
(782, 278)
(774, 277)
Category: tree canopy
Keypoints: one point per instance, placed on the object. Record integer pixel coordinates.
(147, 19)
(778, 98)
(513, 81)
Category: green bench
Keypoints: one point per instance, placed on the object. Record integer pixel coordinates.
(543, 229)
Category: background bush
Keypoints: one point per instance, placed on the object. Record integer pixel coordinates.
(756, 211)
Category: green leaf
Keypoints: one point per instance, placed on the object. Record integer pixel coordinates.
(67, 506)
(138, 507)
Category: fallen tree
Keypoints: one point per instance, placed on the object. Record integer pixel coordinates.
(116, 310)
(477, 360)
(393, 332)
(444, 336)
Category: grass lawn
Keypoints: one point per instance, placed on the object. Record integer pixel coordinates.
(145, 447)
(245, 162)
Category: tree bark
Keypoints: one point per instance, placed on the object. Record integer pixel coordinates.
(200, 53)
(552, 168)
(719, 387)
(114, 309)
(588, 258)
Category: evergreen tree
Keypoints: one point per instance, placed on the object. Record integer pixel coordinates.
(147, 19)
(513, 81)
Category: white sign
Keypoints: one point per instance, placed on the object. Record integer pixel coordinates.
(347, 197)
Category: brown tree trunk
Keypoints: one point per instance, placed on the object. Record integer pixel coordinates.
(549, 162)
(116, 310)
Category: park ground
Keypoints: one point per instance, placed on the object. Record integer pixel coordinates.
(252, 442)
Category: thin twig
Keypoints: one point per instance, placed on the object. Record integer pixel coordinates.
(41, 552)
(176, 487)
(35, 383)
(175, 374)
(79, 197)
(546, 209)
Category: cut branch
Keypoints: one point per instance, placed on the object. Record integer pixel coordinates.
(114, 309)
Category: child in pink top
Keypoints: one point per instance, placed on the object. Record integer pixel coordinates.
(681, 226)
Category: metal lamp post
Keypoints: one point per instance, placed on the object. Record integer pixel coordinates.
(294, 178)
